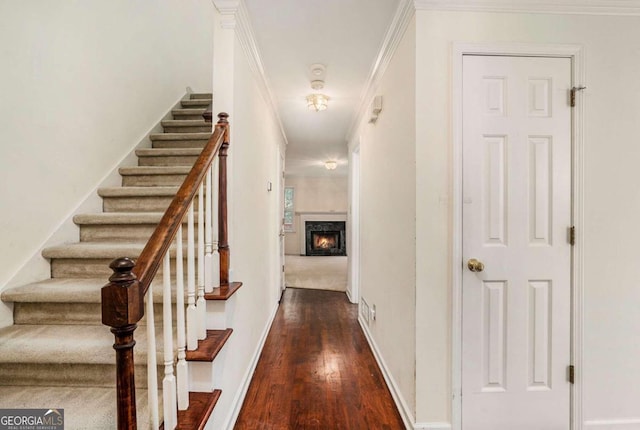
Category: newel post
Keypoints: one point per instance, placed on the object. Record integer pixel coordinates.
(223, 235)
(122, 308)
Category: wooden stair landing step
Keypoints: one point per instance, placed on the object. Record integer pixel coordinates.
(209, 347)
(200, 407)
(223, 292)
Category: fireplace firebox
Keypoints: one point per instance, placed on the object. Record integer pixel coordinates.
(325, 238)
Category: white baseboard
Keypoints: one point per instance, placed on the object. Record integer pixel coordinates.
(238, 400)
(398, 398)
(432, 426)
(614, 424)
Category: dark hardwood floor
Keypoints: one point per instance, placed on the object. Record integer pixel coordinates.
(317, 371)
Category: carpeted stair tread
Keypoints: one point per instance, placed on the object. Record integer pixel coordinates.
(94, 250)
(57, 290)
(85, 408)
(197, 96)
(185, 122)
(194, 111)
(67, 290)
(196, 102)
(180, 136)
(137, 191)
(110, 218)
(65, 344)
(154, 170)
(167, 152)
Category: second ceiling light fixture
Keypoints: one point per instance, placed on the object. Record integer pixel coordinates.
(317, 101)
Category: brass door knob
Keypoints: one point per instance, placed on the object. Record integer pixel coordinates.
(475, 265)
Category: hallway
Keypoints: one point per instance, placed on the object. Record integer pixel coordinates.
(317, 371)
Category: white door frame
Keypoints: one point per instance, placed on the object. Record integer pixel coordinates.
(576, 54)
(353, 290)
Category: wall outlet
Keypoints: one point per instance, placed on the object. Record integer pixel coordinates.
(364, 310)
(373, 312)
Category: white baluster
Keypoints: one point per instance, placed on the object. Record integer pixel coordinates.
(182, 370)
(215, 257)
(208, 245)
(169, 381)
(152, 362)
(201, 305)
(192, 320)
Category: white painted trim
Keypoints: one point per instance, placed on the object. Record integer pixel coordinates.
(615, 424)
(238, 400)
(591, 7)
(399, 24)
(432, 426)
(353, 224)
(576, 54)
(398, 398)
(236, 17)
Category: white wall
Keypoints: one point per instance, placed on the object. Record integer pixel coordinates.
(611, 201)
(254, 213)
(314, 194)
(387, 220)
(82, 83)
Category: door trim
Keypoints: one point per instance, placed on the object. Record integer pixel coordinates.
(353, 216)
(576, 54)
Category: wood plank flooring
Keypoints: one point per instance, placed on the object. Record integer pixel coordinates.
(317, 371)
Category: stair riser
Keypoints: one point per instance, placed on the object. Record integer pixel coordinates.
(186, 116)
(188, 129)
(152, 180)
(68, 374)
(72, 313)
(199, 96)
(138, 204)
(179, 144)
(123, 233)
(178, 160)
(93, 267)
(195, 104)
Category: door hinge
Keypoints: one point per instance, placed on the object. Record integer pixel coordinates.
(574, 90)
(283, 268)
(572, 235)
(571, 374)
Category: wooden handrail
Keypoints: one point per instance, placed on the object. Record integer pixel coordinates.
(123, 296)
(150, 259)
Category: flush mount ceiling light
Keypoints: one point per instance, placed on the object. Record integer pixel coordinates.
(317, 101)
(330, 165)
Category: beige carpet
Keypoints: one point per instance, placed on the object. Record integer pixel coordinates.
(317, 273)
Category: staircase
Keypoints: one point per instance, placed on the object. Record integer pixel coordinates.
(58, 354)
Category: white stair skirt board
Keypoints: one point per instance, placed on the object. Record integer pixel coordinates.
(238, 399)
(317, 273)
(401, 403)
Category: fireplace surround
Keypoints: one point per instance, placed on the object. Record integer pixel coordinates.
(325, 238)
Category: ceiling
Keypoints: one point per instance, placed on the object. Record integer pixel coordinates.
(343, 35)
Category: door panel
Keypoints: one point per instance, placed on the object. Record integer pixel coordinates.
(516, 210)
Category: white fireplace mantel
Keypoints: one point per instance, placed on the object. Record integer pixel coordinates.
(316, 216)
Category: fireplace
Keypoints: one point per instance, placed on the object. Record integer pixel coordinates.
(325, 238)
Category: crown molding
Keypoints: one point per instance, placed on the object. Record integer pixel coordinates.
(236, 17)
(402, 17)
(578, 7)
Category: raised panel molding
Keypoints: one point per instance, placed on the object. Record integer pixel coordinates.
(591, 7)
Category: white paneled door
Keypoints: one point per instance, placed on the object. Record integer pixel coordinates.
(516, 294)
